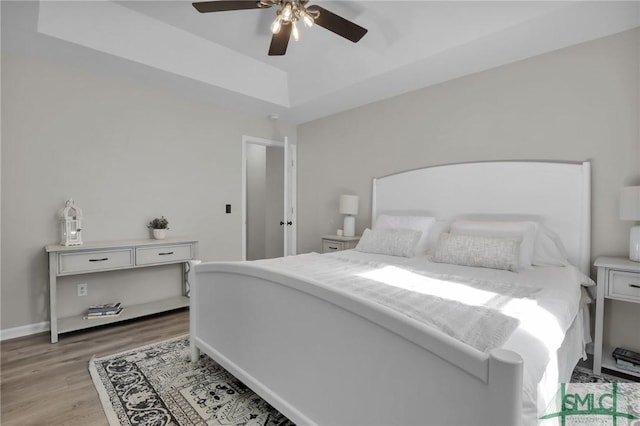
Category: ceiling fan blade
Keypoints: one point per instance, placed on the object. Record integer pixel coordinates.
(280, 41)
(338, 24)
(225, 5)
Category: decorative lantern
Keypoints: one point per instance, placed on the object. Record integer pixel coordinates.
(70, 224)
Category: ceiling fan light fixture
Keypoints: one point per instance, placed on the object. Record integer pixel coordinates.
(287, 12)
(276, 25)
(306, 18)
(290, 13)
(294, 31)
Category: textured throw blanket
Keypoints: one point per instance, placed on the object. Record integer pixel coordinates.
(465, 308)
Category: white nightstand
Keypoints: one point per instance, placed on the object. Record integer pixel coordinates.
(619, 279)
(336, 243)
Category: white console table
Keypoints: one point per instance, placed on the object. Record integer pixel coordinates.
(111, 256)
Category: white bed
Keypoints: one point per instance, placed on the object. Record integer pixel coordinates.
(321, 355)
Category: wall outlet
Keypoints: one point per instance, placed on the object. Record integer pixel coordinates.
(82, 289)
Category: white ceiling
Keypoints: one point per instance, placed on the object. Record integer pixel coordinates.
(222, 56)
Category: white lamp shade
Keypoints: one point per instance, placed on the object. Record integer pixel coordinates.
(349, 204)
(630, 203)
(634, 243)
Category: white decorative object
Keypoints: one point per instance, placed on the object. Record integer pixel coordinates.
(159, 226)
(630, 210)
(159, 234)
(349, 207)
(478, 250)
(416, 223)
(70, 224)
(392, 242)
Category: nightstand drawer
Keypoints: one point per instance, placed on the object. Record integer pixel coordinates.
(73, 263)
(331, 243)
(624, 285)
(329, 246)
(165, 254)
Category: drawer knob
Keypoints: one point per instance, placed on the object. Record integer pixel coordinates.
(634, 285)
(165, 254)
(99, 260)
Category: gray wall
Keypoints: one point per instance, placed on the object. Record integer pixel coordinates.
(579, 103)
(125, 153)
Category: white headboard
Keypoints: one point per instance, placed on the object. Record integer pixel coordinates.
(553, 193)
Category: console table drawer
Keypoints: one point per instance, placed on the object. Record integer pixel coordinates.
(92, 261)
(624, 285)
(164, 254)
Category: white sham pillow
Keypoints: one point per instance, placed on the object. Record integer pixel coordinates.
(422, 224)
(478, 251)
(549, 250)
(524, 230)
(438, 228)
(389, 242)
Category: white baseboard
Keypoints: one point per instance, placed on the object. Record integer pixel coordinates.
(24, 330)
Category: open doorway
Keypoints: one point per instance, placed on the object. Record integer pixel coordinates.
(268, 209)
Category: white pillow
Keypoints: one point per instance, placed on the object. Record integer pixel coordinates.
(415, 223)
(438, 228)
(524, 230)
(390, 242)
(477, 250)
(549, 250)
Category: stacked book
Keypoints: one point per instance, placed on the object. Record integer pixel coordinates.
(627, 360)
(104, 311)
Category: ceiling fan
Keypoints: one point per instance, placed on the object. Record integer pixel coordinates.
(285, 24)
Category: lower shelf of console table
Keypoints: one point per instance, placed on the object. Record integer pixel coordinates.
(76, 322)
(102, 257)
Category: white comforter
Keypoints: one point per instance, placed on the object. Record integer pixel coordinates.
(527, 312)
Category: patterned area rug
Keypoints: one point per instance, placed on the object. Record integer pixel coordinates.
(584, 375)
(158, 385)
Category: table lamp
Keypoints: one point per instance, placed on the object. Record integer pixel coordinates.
(630, 210)
(349, 207)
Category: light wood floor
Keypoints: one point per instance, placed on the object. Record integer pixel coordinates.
(49, 384)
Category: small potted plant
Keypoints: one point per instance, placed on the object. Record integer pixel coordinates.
(159, 226)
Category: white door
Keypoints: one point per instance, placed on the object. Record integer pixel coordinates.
(289, 222)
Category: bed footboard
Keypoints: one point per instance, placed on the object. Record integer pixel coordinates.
(323, 358)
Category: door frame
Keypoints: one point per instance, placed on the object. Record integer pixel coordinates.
(291, 188)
